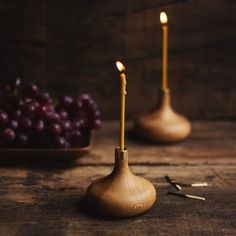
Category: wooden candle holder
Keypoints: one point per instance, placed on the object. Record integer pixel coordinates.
(163, 124)
(121, 194)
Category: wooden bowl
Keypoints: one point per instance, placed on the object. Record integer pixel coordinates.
(16, 155)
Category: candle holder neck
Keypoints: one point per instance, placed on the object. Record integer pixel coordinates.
(164, 102)
(121, 161)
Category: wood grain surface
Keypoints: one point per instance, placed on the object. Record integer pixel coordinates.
(71, 47)
(50, 201)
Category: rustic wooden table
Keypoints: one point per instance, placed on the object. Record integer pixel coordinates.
(50, 201)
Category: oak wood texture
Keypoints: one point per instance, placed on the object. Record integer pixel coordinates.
(163, 124)
(77, 44)
(50, 201)
(121, 193)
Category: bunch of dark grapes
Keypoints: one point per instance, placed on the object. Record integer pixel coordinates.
(30, 118)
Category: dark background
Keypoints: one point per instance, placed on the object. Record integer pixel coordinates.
(71, 46)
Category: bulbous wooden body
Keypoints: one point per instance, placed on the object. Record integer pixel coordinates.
(163, 124)
(121, 194)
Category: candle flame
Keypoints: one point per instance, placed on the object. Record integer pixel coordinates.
(163, 17)
(120, 66)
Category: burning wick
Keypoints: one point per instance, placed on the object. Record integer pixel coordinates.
(177, 186)
(187, 196)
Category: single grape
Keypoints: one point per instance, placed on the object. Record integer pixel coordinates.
(63, 114)
(9, 135)
(22, 140)
(42, 111)
(77, 124)
(27, 100)
(50, 106)
(97, 124)
(55, 129)
(17, 84)
(17, 114)
(21, 103)
(32, 89)
(85, 98)
(43, 97)
(67, 145)
(13, 124)
(28, 109)
(61, 142)
(78, 105)
(3, 117)
(67, 101)
(39, 126)
(66, 125)
(25, 123)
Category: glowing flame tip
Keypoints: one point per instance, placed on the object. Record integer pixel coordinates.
(120, 66)
(163, 17)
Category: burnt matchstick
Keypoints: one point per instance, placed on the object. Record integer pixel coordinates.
(193, 184)
(187, 196)
(171, 181)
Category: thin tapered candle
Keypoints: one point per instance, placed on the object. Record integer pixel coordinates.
(164, 20)
(121, 68)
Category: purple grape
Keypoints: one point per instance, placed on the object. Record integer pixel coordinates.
(73, 136)
(27, 100)
(84, 98)
(25, 123)
(77, 124)
(52, 116)
(66, 125)
(78, 105)
(42, 111)
(61, 142)
(28, 109)
(96, 114)
(22, 140)
(55, 129)
(17, 114)
(97, 124)
(67, 145)
(3, 117)
(13, 124)
(21, 103)
(63, 114)
(32, 89)
(39, 126)
(67, 101)
(17, 84)
(43, 97)
(9, 135)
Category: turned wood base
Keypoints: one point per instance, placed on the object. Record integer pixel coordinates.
(163, 124)
(121, 194)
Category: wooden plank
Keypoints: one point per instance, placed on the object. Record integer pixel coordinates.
(49, 202)
(78, 42)
(209, 143)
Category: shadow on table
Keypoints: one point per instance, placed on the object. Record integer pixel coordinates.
(85, 209)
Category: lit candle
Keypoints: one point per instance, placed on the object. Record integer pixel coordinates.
(121, 68)
(164, 20)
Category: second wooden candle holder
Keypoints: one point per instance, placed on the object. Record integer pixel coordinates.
(163, 124)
